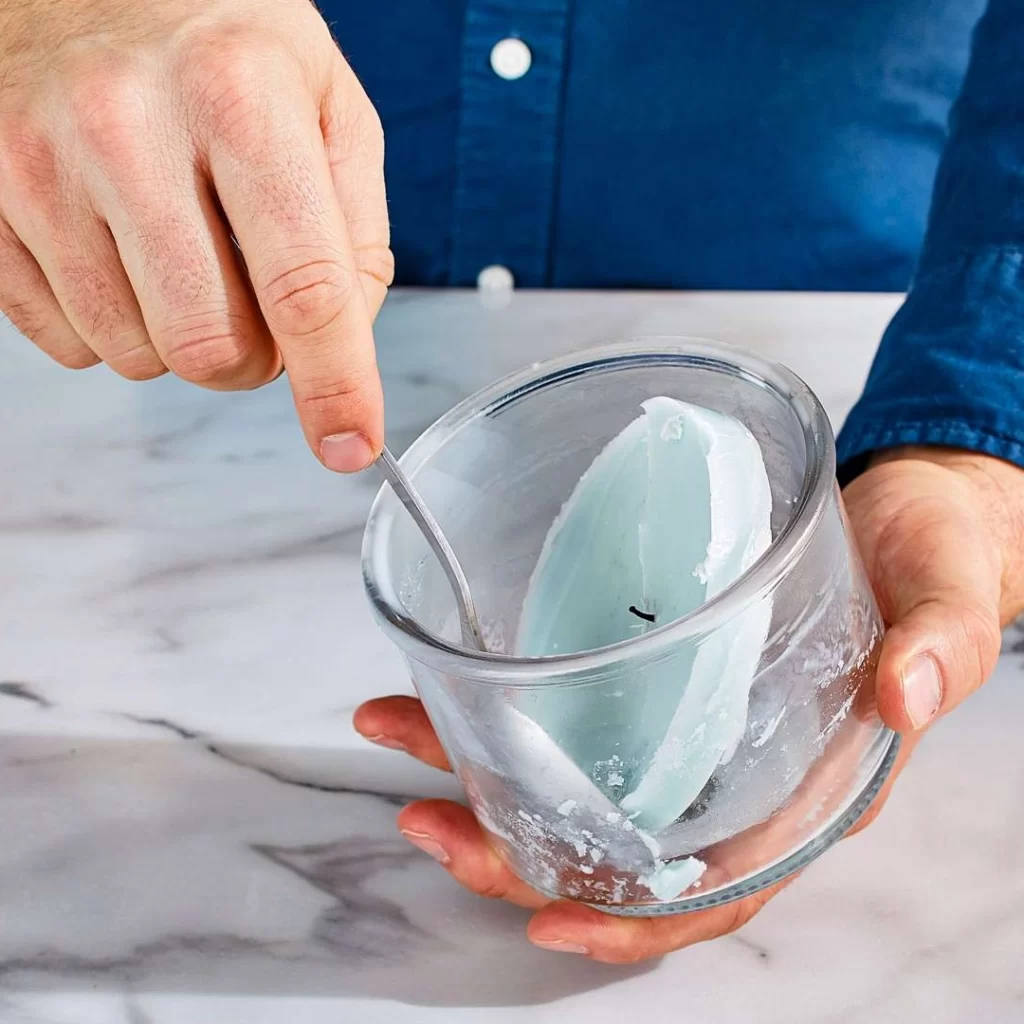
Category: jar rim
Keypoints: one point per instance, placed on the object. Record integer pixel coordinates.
(511, 670)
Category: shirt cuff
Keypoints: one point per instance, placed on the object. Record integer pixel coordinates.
(950, 368)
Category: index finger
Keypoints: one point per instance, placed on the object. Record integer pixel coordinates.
(401, 723)
(272, 175)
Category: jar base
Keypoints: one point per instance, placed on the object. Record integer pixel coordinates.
(775, 873)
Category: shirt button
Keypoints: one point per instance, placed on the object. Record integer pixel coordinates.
(495, 278)
(511, 58)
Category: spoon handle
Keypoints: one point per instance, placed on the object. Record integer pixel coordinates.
(410, 498)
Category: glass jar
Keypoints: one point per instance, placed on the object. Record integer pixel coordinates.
(495, 471)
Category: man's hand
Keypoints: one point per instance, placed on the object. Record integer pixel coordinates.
(942, 536)
(196, 186)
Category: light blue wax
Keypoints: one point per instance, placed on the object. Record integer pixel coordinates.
(672, 511)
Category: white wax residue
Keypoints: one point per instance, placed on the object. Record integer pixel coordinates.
(667, 881)
(673, 510)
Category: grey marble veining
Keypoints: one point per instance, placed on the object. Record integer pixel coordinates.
(192, 832)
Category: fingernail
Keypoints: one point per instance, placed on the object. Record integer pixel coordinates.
(388, 741)
(428, 844)
(922, 690)
(346, 453)
(559, 946)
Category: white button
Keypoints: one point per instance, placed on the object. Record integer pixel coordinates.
(511, 58)
(495, 278)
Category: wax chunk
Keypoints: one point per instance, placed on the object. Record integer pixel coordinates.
(670, 513)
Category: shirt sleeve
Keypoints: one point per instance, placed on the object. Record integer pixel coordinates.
(950, 368)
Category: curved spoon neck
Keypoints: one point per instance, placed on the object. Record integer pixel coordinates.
(407, 494)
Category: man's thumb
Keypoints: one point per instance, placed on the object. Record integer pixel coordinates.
(944, 639)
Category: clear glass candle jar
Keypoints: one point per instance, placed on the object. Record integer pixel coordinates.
(495, 471)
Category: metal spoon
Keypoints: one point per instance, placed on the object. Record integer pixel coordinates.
(410, 498)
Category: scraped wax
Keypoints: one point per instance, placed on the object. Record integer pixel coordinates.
(672, 511)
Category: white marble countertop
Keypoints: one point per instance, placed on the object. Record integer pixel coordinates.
(191, 832)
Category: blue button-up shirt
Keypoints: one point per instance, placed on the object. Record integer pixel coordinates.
(736, 144)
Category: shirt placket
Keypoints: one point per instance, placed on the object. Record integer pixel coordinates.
(513, 65)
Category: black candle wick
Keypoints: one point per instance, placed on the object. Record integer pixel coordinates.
(646, 616)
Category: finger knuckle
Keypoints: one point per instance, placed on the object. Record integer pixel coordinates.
(137, 362)
(108, 106)
(982, 638)
(205, 351)
(29, 155)
(350, 392)
(306, 296)
(378, 262)
(230, 106)
(227, 76)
